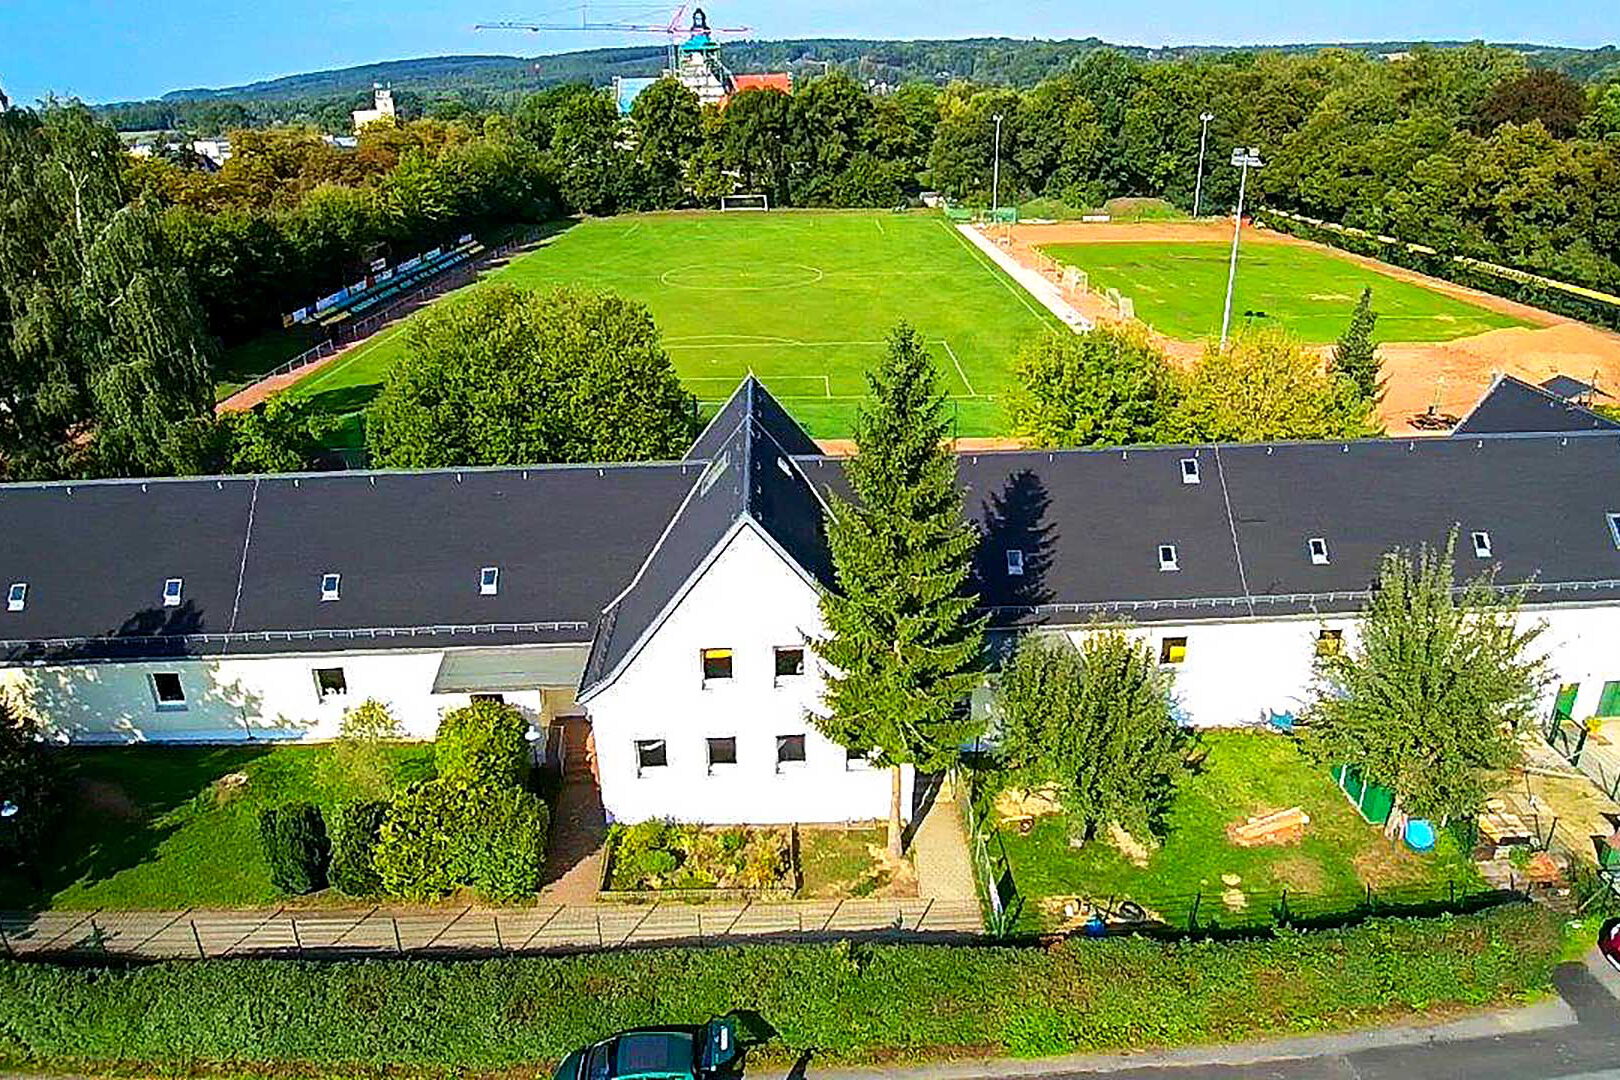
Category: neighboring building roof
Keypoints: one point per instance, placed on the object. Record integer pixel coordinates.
(1571, 389)
(776, 80)
(1513, 405)
(495, 671)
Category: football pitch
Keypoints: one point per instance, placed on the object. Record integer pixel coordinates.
(802, 299)
(1179, 290)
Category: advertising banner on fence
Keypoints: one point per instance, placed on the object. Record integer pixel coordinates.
(465, 239)
(378, 265)
(384, 275)
(409, 264)
(326, 303)
(429, 256)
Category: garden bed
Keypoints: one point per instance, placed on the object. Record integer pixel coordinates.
(665, 860)
(1198, 874)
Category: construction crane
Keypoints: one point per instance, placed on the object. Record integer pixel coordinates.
(672, 31)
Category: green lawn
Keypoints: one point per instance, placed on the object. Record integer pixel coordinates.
(1240, 774)
(246, 363)
(1179, 290)
(801, 298)
(147, 826)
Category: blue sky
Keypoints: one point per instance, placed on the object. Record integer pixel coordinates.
(114, 49)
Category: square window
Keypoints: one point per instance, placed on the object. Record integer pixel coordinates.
(857, 759)
(17, 598)
(1329, 642)
(716, 664)
(1319, 551)
(1614, 529)
(722, 752)
(1167, 557)
(329, 586)
(1189, 470)
(789, 750)
(1172, 650)
(171, 591)
(1482, 545)
(650, 754)
(789, 661)
(330, 682)
(167, 691)
(1015, 563)
(489, 581)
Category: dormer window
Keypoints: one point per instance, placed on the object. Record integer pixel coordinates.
(1167, 557)
(1015, 563)
(489, 581)
(1189, 470)
(171, 591)
(1319, 551)
(329, 586)
(1614, 529)
(1482, 545)
(17, 598)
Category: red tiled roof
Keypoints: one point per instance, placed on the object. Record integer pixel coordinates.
(777, 80)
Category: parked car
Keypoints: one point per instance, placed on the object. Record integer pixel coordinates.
(1609, 942)
(669, 1053)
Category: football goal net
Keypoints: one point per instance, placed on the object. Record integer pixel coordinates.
(745, 202)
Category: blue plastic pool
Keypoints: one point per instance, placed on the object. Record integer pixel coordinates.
(1419, 835)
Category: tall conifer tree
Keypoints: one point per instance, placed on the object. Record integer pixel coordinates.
(1355, 356)
(902, 639)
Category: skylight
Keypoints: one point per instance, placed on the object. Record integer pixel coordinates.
(489, 581)
(1015, 562)
(329, 586)
(1614, 529)
(1189, 470)
(1167, 557)
(1482, 545)
(1319, 551)
(17, 598)
(171, 591)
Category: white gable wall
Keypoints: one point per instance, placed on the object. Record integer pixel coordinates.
(751, 600)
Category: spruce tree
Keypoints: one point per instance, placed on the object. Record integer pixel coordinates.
(903, 642)
(1355, 356)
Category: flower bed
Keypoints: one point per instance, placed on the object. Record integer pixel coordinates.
(667, 860)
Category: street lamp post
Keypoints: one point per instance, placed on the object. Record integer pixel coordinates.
(1203, 138)
(995, 174)
(1244, 159)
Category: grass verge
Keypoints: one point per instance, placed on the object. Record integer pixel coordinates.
(847, 1003)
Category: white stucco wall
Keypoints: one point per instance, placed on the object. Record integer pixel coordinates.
(1239, 671)
(236, 698)
(751, 601)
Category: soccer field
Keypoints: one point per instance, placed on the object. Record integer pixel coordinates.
(802, 299)
(1179, 289)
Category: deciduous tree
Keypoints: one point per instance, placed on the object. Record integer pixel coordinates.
(1106, 387)
(1267, 385)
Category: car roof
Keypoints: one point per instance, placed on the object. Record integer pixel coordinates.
(645, 1054)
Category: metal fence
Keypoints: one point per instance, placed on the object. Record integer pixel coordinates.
(469, 931)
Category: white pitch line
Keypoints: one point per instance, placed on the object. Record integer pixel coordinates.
(879, 224)
(993, 272)
(971, 392)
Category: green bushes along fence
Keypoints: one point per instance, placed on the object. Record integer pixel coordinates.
(848, 1002)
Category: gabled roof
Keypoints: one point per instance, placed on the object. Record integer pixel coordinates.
(776, 80)
(752, 480)
(1513, 405)
(1571, 389)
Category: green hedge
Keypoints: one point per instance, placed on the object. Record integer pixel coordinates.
(848, 1002)
(356, 829)
(295, 846)
(439, 836)
(482, 743)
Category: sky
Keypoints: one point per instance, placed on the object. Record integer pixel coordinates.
(107, 50)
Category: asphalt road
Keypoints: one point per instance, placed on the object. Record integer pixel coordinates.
(1588, 1048)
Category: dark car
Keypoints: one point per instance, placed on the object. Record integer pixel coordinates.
(669, 1053)
(1609, 942)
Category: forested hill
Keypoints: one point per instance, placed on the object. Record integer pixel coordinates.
(486, 81)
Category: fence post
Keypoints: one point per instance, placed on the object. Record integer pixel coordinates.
(1284, 918)
(700, 924)
(198, 939)
(399, 946)
(6, 941)
(1192, 913)
(1369, 900)
(599, 942)
(498, 944)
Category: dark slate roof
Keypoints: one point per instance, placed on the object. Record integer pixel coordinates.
(1513, 405)
(751, 399)
(749, 477)
(251, 551)
(1571, 389)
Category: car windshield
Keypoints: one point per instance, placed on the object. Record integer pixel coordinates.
(599, 1062)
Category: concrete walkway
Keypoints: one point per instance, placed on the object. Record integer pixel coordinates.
(939, 850)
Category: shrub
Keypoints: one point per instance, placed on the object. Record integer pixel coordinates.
(356, 828)
(359, 763)
(28, 781)
(295, 846)
(482, 744)
(440, 836)
(665, 855)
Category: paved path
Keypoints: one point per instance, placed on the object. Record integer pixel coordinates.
(939, 851)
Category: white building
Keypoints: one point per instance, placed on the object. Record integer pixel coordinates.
(382, 107)
(664, 608)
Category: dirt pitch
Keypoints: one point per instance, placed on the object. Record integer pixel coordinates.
(1446, 378)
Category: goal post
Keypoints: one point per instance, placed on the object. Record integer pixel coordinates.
(745, 202)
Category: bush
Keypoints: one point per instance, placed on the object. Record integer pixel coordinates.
(360, 763)
(665, 855)
(440, 836)
(295, 846)
(482, 744)
(516, 1015)
(356, 829)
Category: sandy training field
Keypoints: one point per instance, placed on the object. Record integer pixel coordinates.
(1445, 376)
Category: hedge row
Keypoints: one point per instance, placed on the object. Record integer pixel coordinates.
(849, 1002)
(1446, 268)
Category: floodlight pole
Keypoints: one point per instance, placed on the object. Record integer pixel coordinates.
(1203, 138)
(1243, 159)
(995, 174)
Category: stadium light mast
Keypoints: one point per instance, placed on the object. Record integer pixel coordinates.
(1244, 158)
(1203, 138)
(995, 174)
